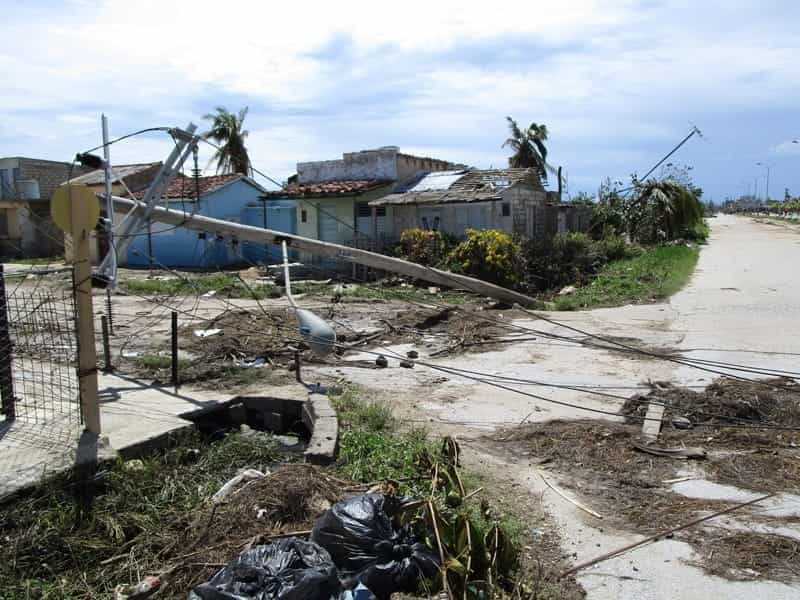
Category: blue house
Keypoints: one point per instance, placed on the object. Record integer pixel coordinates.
(233, 197)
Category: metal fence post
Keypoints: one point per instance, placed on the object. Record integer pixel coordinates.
(174, 348)
(109, 312)
(104, 320)
(6, 376)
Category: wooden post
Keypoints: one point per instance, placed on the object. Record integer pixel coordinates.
(175, 348)
(82, 270)
(6, 354)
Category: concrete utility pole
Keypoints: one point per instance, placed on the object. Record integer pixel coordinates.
(320, 248)
(767, 167)
(107, 182)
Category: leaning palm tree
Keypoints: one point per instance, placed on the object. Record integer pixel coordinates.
(227, 130)
(528, 147)
(667, 209)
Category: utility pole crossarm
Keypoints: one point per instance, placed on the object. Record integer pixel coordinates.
(320, 248)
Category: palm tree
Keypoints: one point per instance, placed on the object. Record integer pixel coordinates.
(675, 208)
(528, 146)
(227, 130)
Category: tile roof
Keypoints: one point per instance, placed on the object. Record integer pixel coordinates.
(328, 188)
(97, 176)
(183, 187)
(475, 185)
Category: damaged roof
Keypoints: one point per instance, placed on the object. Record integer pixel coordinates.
(183, 187)
(98, 176)
(347, 187)
(474, 185)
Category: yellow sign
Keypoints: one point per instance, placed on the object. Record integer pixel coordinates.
(87, 207)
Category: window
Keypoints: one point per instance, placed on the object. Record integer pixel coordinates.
(506, 208)
(304, 216)
(363, 209)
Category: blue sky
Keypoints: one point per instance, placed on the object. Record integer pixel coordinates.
(617, 83)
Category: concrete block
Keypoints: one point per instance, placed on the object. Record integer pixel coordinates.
(320, 418)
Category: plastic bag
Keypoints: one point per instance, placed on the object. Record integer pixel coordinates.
(288, 569)
(364, 544)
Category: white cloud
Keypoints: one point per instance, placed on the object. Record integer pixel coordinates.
(615, 81)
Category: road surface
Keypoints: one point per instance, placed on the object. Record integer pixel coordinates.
(741, 306)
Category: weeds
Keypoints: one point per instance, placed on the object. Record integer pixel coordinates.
(56, 537)
(227, 284)
(656, 273)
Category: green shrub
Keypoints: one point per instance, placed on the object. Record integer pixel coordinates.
(570, 259)
(490, 255)
(425, 247)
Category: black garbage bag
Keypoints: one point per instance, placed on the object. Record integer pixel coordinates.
(367, 548)
(288, 569)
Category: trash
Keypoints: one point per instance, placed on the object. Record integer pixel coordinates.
(204, 333)
(567, 290)
(407, 364)
(681, 423)
(134, 464)
(381, 361)
(290, 569)
(683, 453)
(412, 354)
(144, 589)
(367, 548)
(209, 294)
(253, 364)
(130, 354)
(433, 290)
(230, 485)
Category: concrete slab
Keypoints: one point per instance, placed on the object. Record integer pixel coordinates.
(134, 417)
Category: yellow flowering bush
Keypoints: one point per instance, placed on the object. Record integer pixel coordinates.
(490, 255)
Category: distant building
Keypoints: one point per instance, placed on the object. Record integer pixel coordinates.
(233, 197)
(26, 187)
(332, 197)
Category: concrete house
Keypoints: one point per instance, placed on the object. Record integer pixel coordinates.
(332, 197)
(233, 197)
(26, 186)
(453, 201)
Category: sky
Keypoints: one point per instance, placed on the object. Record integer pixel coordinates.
(617, 83)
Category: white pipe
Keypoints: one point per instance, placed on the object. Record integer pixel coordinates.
(288, 282)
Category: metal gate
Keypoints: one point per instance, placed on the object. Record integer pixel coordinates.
(38, 346)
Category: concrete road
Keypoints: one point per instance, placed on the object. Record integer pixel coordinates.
(741, 306)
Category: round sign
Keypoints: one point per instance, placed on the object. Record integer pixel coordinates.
(87, 211)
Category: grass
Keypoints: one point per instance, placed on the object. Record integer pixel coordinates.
(55, 538)
(655, 274)
(227, 284)
(371, 446)
(37, 261)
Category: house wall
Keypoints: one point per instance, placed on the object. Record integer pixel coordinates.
(178, 247)
(454, 218)
(366, 164)
(383, 163)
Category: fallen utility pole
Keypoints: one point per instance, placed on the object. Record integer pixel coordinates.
(319, 248)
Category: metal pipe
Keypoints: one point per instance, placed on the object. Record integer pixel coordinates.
(287, 281)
